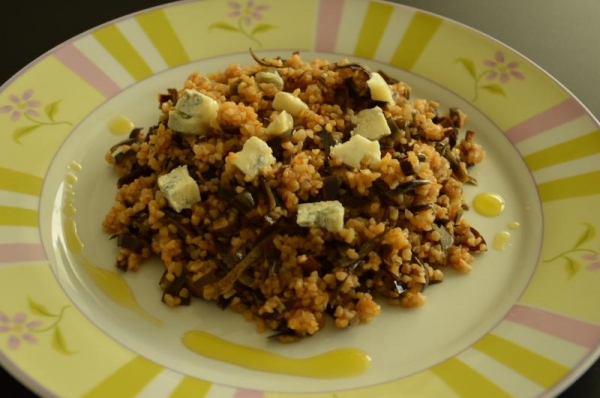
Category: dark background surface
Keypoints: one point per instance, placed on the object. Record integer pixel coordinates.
(28, 29)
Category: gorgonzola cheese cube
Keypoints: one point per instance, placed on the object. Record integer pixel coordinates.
(371, 124)
(380, 91)
(284, 101)
(326, 214)
(357, 149)
(180, 190)
(194, 113)
(282, 123)
(254, 157)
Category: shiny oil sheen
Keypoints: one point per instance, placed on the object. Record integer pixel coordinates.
(120, 125)
(343, 362)
(501, 240)
(488, 204)
(111, 283)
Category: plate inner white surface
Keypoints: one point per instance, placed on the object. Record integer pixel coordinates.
(400, 342)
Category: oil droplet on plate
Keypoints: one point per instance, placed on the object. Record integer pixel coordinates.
(343, 362)
(120, 125)
(112, 284)
(501, 240)
(71, 178)
(488, 204)
(75, 166)
(514, 225)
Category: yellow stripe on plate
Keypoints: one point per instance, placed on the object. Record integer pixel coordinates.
(18, 216)
(127, 381)
(466, 381)
(570, 187)
(191, 387)
(121, 49)
(531, 365)
(161, 33)
(17, 181)
(372, 30)
(418, 34)
(577, 148)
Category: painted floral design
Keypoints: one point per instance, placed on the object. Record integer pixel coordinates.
(501, 69)
(248, 16)
(20, 328)
(21, 105)
(579, 253)
(26, 107)
(494, 69)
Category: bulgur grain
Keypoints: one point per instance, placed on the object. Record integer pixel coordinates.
(284, 277)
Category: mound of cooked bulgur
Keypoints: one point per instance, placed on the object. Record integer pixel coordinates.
(295, 191)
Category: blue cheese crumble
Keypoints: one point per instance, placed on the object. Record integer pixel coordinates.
(326, 214)
(380, 91)
(180, 190)
(371, 124)
(254, 157)
(356, 150)
(282, 123)
(194, 113)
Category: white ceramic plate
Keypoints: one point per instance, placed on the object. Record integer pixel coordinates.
(523, 323)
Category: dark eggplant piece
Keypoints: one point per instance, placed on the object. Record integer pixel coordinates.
(131, 242)
(396, 132)
(425, 271)
(196, 287)
(184, 230)
(136, 133)
(244, 201)
(482, 247)
(173, 96)
(252, 257)
(457, 167)
(283, 331)
(134, 174)
(269, 195)
(364, 251)
(174, 288)
(446, 239)
(402, 189)
(327, 141)
(331, 186)
(407, 167)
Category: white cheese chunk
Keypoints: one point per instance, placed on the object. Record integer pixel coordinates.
(327, 214)
(282, 123)
(180, 190)
(357, 149)
(194, 113)
(269, 77)
(254, 156)
(288, 102)
(371, 124)
(380, 91)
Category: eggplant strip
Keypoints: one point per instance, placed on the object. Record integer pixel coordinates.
(252, 257)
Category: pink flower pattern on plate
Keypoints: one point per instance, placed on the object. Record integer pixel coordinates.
(502, 69)
(595, 264)
(249, 12)
(18, 329)
(248, 16)
(483, 78)
(23, 104)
